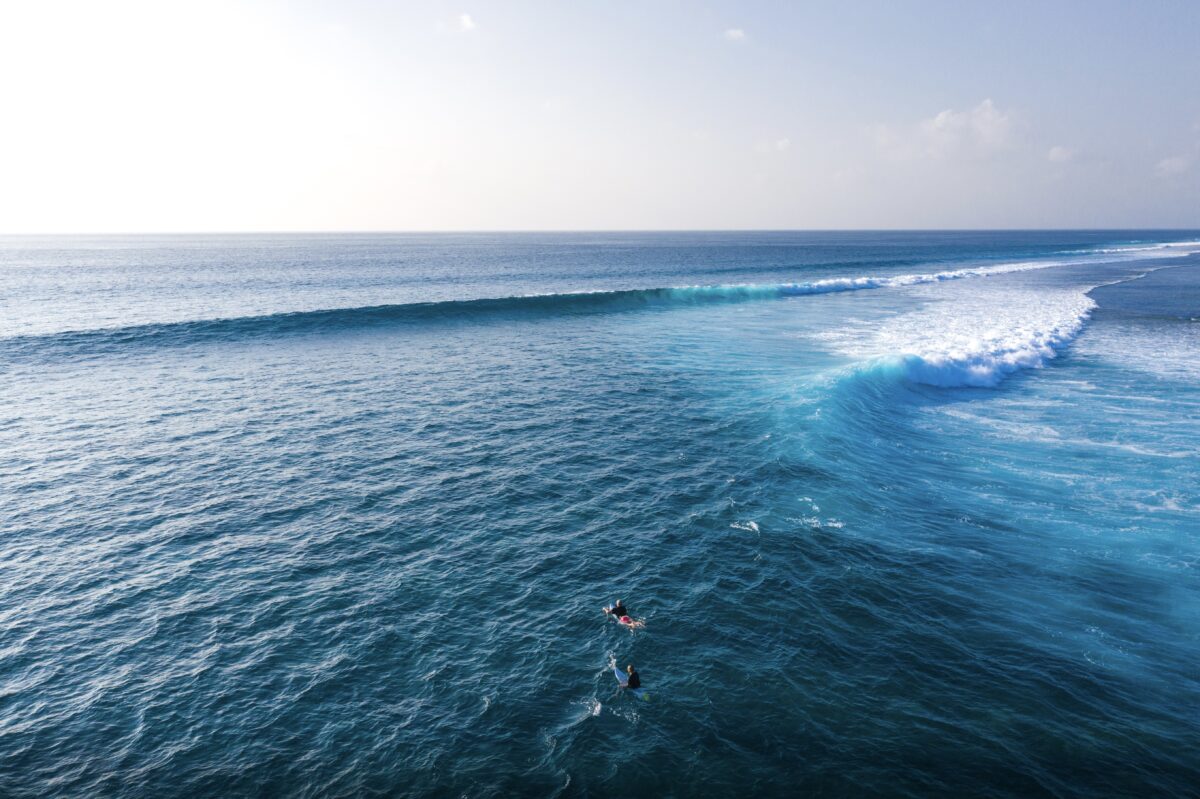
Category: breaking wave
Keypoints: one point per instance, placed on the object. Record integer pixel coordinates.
(989, 359)
(975, 338)
(522, 306)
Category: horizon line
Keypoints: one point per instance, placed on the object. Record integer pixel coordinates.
(545, 231)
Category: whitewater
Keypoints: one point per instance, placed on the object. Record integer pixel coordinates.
(904, 513)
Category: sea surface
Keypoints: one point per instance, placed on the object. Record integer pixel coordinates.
(904, 514)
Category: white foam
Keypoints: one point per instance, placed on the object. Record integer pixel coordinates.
(899, 281)
(840, 284)
(1167, 353)
(1168, 249)
(975, 337)
(977, 334)
(1133, 249)
(960, 358)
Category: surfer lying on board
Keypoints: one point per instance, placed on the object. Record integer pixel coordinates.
(622, 615)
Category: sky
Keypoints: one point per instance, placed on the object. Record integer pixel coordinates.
(160, 116)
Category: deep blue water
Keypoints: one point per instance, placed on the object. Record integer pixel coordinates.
(904, 514)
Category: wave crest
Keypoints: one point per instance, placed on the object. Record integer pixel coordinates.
(974, 338)
(520, 306)
(993, 359)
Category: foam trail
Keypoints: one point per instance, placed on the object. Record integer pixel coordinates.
(978, 337)
(1171, 247)
(1035, 329)
(986, 361)
(837, 284)
(974, 338)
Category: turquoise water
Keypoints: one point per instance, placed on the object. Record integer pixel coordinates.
(904, 514)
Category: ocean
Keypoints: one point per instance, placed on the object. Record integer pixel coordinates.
(904, 514)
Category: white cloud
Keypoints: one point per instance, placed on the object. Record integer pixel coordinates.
(1175, 165)
(1059, 154)
(735, 35)
(984, 126)
(978, 132)
(767, 146)
(465, 23)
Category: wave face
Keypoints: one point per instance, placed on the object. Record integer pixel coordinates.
(481, 310)
(80, 326)
(249, 547)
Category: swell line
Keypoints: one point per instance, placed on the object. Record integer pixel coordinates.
(106, 340)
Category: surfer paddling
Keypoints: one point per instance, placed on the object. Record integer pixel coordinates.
(621, 614)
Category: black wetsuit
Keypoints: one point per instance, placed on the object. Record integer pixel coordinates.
(619, 611)
(634, 680)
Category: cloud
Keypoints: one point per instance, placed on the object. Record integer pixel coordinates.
(780, 145)
(465, 23)
(1059, 154)
(1175, 165)
(735, 35)
(984, 126)
(975, 133)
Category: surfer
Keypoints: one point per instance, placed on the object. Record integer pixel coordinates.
(634, 680)
(621, 614)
